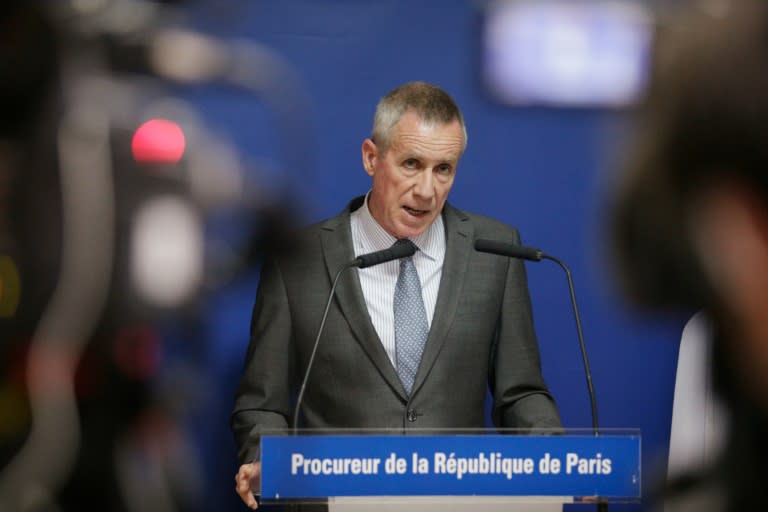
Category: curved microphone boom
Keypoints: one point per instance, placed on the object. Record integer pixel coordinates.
(533, 254)
(395, 252)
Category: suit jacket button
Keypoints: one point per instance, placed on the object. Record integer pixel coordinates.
(411, 415)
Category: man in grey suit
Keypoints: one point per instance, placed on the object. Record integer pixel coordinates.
(478, 329)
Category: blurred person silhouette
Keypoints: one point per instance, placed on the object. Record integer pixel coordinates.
(364, 375)
(690, 226)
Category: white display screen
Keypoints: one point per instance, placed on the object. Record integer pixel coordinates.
(566, 53)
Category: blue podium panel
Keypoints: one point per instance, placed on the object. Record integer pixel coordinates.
(310, 467)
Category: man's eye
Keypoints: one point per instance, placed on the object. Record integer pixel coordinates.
(444, 169)
(411, 163)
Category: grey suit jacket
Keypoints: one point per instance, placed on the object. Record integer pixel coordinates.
(482, 335)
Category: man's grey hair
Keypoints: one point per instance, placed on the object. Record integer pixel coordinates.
(432, 104)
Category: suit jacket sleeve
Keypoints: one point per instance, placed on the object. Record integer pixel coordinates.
(263, 398)
(521, 397)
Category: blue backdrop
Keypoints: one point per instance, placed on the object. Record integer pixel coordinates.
(547, 171)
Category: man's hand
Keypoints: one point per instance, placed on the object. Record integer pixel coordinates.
(246, 479)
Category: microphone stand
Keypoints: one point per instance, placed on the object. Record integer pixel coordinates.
(533, 254)
(602, 505)
(297, 408)
(582, 345)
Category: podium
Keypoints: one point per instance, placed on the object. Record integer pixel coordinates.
(450, 470)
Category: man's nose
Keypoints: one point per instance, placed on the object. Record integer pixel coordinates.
(425, 185)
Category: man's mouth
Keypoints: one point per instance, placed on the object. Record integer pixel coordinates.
(415, 212)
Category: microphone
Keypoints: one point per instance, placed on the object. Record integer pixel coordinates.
(533, 254)
(505, 249)
(401, 249)
(397, 251)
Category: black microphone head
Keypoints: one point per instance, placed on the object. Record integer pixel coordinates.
(509, 250)
(400, 249)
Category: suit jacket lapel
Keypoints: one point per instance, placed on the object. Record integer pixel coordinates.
(459, 235)
(338, 251)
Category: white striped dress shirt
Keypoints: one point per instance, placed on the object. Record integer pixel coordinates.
(378, 282)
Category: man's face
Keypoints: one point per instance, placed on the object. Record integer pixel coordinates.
(411, 180)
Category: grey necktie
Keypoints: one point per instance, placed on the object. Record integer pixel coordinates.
(411, 327)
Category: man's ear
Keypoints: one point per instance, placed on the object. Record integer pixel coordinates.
(370, 154)
(729, 227)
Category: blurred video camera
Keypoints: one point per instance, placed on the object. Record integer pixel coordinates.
(120, 207)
